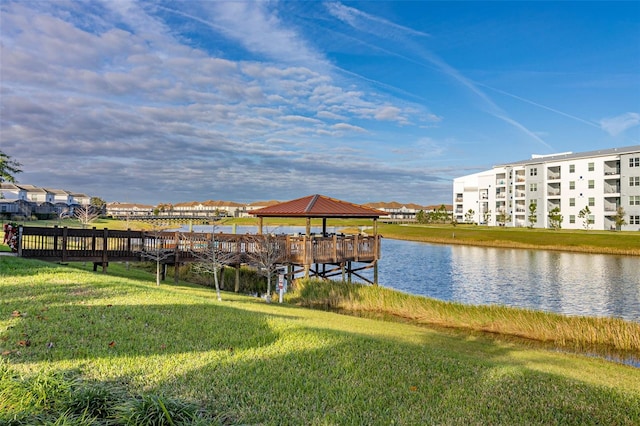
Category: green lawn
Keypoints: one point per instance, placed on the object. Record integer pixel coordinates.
(242, 361)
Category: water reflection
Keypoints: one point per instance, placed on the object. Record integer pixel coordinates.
(568, 283)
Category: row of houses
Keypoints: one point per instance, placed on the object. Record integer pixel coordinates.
(29, 200)
(25, 201)
(215, 208)
(584, 190)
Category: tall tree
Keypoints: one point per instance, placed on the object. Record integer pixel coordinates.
(98, 203)
(8, 168)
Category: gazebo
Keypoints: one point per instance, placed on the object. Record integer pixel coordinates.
(339, 251)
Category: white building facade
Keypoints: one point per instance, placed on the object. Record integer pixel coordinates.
(596, 182)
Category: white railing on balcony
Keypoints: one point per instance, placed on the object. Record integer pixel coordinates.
(553, 176)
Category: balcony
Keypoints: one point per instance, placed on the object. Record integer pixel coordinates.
(553, 176)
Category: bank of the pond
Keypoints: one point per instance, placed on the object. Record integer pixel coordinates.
(242, 361)
(604, 336)
(581, 241)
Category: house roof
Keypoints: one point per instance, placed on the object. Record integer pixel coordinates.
(318, 206)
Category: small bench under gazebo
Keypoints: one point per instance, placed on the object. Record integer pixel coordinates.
(344, 254)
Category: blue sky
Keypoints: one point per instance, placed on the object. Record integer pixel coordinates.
(363, 101)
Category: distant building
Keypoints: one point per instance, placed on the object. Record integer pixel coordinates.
(405, 212)
(21, 200)
(601, 181)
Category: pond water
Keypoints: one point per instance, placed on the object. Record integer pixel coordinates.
(566, 283)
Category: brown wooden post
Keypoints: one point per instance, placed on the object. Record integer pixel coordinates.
(55, 239)
(305, 255)
(237, 286)
(105, 246)
(335, 248)
(64, 244)
(260, 225)
(93, 241)
(356, 243)
(375, 272)
(308, 227)
(176, 265)
(20, 241)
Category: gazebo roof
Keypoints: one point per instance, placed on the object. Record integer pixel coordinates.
(318, 206)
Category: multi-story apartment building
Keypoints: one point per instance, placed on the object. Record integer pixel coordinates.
(596, 182)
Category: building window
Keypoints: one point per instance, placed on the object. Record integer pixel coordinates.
(572, 218)
(572, 168)
(533, 172)
(592, 183)
(572, 202)
(591, 166)
(634, 220)
(634, 200)
(634, 181)
(572, 184)
(634, 162)
(591, 219)
(592, 201)
(533, 187)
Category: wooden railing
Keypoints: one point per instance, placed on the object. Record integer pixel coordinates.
(105, 245)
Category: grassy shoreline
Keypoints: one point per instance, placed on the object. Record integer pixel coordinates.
(243, 361)
(581, 241)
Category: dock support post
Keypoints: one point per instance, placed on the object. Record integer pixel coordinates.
(237, 286)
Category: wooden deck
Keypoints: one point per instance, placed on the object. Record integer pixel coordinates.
(102, 246)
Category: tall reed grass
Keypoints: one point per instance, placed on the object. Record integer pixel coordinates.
(576, 333)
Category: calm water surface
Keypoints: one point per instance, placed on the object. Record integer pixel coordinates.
(567, 283)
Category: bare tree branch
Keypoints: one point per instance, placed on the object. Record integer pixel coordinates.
(156, 248)
(85, 214)
(212, 254)
(266, 253)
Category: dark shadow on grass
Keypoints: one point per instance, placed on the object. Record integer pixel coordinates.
(356, 379)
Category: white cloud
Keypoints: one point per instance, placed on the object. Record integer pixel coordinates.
(616, 125)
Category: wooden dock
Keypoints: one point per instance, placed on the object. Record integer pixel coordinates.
(322, 256)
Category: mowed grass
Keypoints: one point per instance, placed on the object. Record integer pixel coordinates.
(586, 241)
(247, 362)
